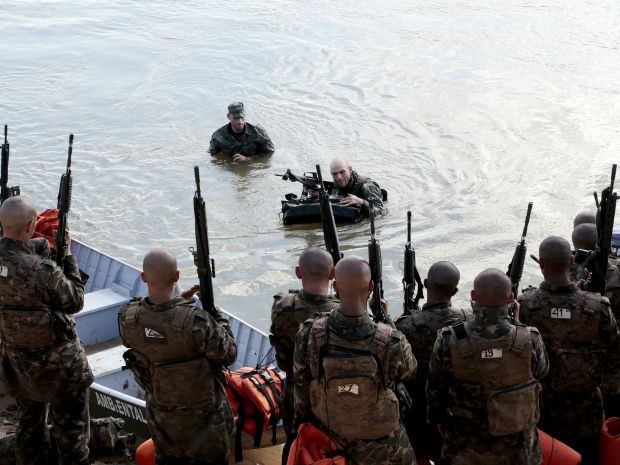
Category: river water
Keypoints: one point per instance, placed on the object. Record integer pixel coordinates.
(463, 110)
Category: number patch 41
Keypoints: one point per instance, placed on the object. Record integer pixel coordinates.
(561, 313)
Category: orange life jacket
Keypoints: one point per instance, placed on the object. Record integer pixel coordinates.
(46, 225)
(313, 446)
(555, 452)
(609, 448)
(255, 394)
(145, 453)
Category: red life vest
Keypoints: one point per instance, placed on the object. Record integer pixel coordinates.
(555, 452)
(313, 446)
(255, 394)
(46, 225)
(609, 448)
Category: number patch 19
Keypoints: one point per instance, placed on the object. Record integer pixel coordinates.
(561, 313)
(491, 353)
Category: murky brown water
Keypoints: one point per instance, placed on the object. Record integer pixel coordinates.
(463, 110)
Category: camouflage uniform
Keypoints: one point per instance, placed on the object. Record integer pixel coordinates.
(461, 386)
(252, 141)
(290, 309)
(582, 341)
(188, 412)
(420, 328)
(612, 289)
(398, 365)
(43, 360)
(364, 188)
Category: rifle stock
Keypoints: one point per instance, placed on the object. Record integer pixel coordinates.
(64, 205)
(411, 276)
(204, 264)
(515, 269)
(327, 219)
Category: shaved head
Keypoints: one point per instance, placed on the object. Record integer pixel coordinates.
(492, 288)
(585, 236)
(340, 171)
(443, 277)
(555, 251)
(584, 217)
(353, 273)
(16, 212)
(160, 267)
(315, 263)
(338, 164)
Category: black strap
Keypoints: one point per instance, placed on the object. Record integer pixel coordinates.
(459, 331)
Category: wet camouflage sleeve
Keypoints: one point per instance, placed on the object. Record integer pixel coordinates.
(403, 364)
(302, 374)
(439, 379)
(63, 291)
(540, 361)
(265, 143)
(214, 337)
(371, 192)
(608, 330)
(214, 145)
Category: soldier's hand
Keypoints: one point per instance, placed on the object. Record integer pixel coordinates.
(442, 430)
(189, 293)
(312, 193)
(384, 304)
(351, 201)
(238, 158)
(515, 310)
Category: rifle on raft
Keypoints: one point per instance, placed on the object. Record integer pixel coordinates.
(204, 264)
(5, 190)
(64, 205)
(327, 219)
(376, 270)
(309, 182)
(515, 269)
(411, 276)
(604, 227)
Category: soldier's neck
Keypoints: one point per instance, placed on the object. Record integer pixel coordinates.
(558, 279)
(318, 288)
(159, 296)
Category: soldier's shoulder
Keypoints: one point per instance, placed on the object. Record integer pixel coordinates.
(284, 300)
(595, 299)
(260, 130)
(404, 321)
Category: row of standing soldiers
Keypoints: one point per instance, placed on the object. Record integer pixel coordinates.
(456, 386)
(482, 373)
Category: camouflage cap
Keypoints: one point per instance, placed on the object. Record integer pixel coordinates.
(236, 110)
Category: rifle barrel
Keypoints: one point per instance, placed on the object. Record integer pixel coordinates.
(408, 226)
(527, 221)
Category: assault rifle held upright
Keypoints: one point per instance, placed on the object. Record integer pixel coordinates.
(515, 269)
(5, 190)
(411, 276)
(204, 264)
(64, 205)
(376, 270)
(327, 219)
(604, 226)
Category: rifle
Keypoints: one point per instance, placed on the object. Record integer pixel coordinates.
(376, 270)
(411, 277)
(309, 182)
(5, 190)
(327, 219)
(596, 199)
(64, 205)
(604, 227)
(515, 269)
(204, 264)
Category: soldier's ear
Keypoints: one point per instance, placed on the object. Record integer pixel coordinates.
(176, 277)
(332, 273)
(456, 289)
(473, 295)
(297, 271)
(426, 283)
(142, 276)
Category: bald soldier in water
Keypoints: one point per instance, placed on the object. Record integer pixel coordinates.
(471, 363)
(347, 369)
(583, 343)
(177, 352)
(315, 270)
(44, 364)
(357, 190)
(420, 328)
